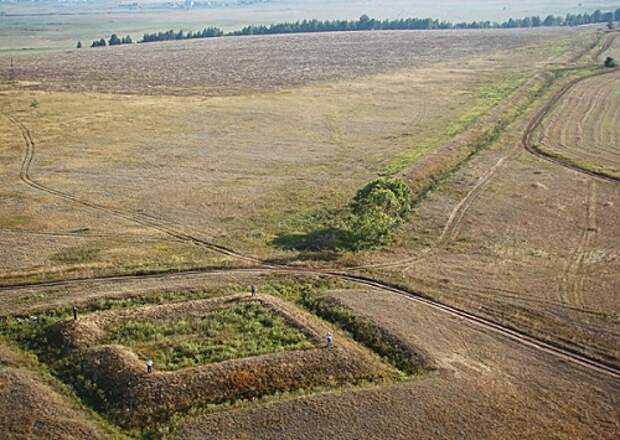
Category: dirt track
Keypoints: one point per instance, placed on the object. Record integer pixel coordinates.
(24, 175)
(485, 388)
(453, 222)
(536, 121)
(518, 336)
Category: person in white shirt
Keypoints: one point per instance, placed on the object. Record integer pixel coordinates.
(330, 340)
(149, 366)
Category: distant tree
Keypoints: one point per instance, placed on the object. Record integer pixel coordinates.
(610, 25)
(98, 43)
(617, 15)
(126, 40)
(79, 45)
(114, 40)
(610, 62)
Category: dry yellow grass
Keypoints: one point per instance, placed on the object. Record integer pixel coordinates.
(531, 245)
(32, 407)
(236, 170)
(584, 128)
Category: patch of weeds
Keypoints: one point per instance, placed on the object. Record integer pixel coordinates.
(76, 255)
(239, 331)
(369, 221)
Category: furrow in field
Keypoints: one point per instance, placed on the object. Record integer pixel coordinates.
(536, 122)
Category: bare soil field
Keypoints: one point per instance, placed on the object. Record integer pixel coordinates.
(224, 66)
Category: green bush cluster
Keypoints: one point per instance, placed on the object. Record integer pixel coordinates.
(377, 210)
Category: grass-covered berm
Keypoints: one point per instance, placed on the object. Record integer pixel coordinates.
(263, 346)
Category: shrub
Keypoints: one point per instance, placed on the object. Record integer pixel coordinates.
(378, 209)
(610, 62)
(114, 40)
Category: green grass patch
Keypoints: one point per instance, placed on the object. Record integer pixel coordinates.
(239, 331)
(488, 96)
(77, 255)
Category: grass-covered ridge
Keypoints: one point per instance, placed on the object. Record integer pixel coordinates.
(243, 330)
(487, 97)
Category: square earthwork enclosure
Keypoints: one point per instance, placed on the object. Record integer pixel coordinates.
(206, 352)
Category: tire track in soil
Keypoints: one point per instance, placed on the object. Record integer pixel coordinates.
(456, 216)
(572, 281)
(563, 352)
(26, 177)
(536, 122)
(596, 56)
(454, 222)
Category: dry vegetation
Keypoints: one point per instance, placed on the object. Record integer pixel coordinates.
(522, 241)
(161, 174)
(238, 65)
(583, 127)
(220, 168)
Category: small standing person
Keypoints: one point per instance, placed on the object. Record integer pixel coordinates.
(75, 310)
(253, 290)
(149, 366)
(330, 340)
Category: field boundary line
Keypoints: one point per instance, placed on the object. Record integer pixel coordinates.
(539, 117)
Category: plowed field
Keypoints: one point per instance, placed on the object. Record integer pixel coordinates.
(584, 126)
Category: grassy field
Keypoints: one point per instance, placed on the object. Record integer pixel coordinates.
(218, 168)
(231, 156)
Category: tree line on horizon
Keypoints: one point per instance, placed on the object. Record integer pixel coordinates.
(365, 23)
(113, 41)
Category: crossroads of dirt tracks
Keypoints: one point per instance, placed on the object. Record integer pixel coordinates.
(519, 335)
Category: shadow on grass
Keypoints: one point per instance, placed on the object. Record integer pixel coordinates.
(323, 244)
